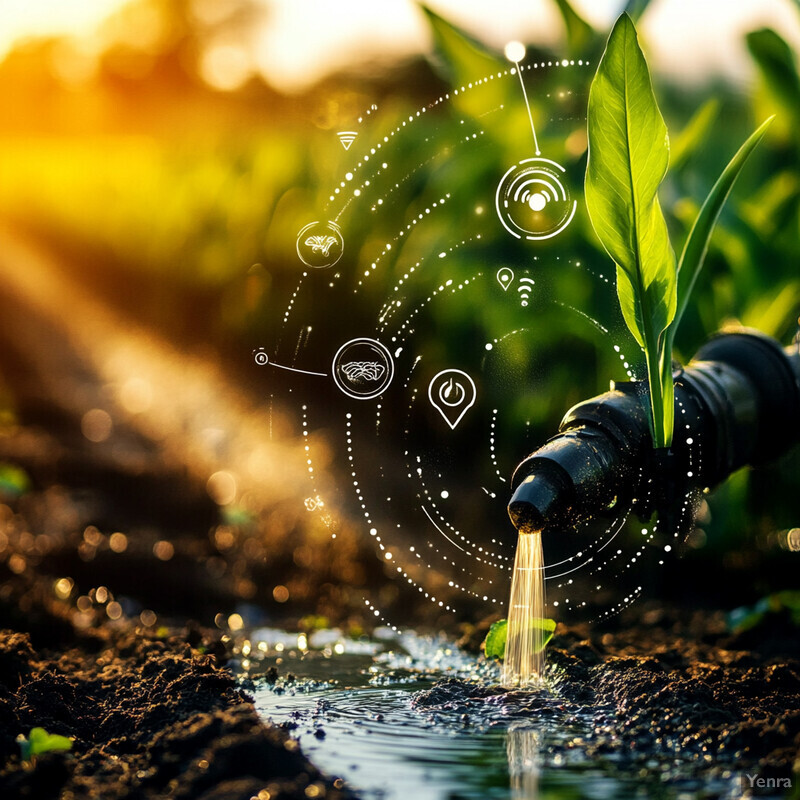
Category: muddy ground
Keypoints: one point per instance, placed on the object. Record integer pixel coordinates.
(154, 711)
(662, 681)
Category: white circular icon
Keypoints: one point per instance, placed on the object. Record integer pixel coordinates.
(363, 368)
(320, 244)
(532, 201)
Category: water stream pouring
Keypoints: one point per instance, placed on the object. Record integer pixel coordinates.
(737, 403)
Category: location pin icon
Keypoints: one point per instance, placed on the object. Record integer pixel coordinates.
(452, 393)
(505, 276)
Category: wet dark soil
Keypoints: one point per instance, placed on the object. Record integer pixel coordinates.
(149, 717)
(95, 645)
(666, 683)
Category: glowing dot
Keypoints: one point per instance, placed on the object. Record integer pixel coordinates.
(163, 550)
(445, 494)
(537, 201)
(96, 425)
(349, 176)
(221, 487)
(489, 345)
(515, 51)
(148, 617)
(280, 593)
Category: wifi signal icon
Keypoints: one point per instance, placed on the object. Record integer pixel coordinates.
(347, 138)
(525, 287)
(536, 200)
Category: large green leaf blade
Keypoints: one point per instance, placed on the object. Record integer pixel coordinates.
(628, 158)
(696, 246)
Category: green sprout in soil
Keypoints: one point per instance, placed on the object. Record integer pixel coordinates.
(40, 741)
(785, 603)
(495, 644)
(628, 159)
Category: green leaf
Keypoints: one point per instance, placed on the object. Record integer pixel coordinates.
(776, 62)
(774, 314)
(495, 644)
(628, 158)
(748, 617)
(686, 143)
(462, 58)
(696, 247)
(40, 741)
(580, 34)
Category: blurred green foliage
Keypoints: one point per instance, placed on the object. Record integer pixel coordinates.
(747, 617)
(218, 212)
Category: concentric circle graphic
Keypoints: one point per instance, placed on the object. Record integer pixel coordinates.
(532, 200)
(447, 326)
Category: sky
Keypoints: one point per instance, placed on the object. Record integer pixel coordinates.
(302, 40)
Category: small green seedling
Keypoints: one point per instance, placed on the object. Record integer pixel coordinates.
(748, 617)
(495, 644)
(40, 741)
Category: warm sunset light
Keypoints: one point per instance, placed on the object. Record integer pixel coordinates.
(24, 19)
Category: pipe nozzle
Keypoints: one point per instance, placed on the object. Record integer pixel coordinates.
(740, 399)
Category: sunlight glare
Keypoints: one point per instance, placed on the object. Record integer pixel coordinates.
(23, 19)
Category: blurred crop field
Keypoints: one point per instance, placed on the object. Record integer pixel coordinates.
(173, 192)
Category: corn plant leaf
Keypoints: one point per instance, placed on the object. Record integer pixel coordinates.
(628, 158)
(580, 34)
(696, 246)
(774, 315)
(777, 64)
(495, 644)
(461, 58)
(694, 134)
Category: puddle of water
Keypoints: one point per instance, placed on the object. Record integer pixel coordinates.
(372, 720)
